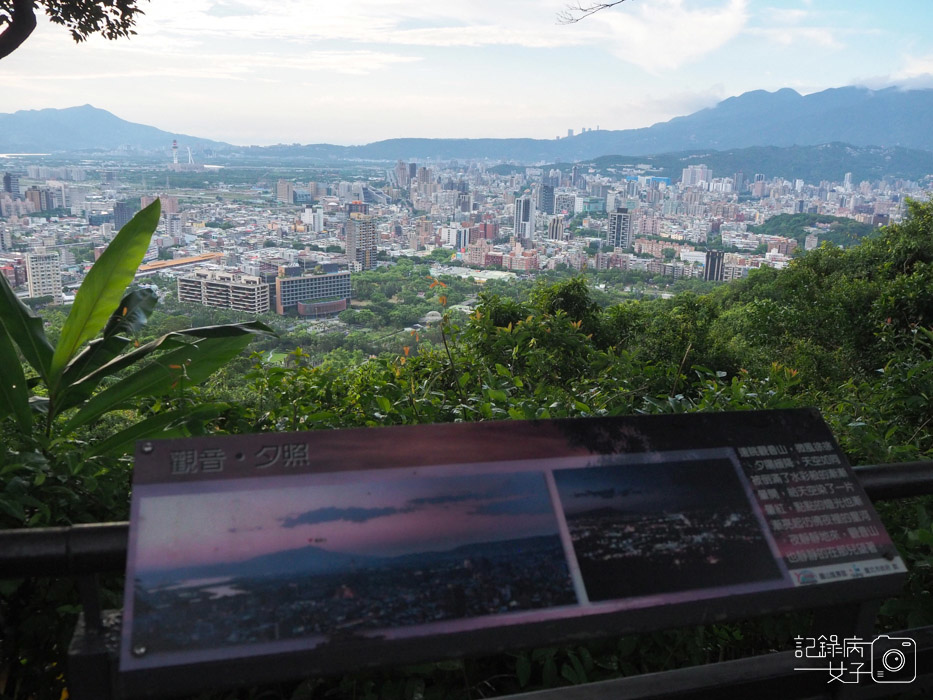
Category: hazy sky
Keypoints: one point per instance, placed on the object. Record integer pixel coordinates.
(382, 517)
(356, 71)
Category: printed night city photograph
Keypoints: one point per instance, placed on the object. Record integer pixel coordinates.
(217, 570)
(644, 529)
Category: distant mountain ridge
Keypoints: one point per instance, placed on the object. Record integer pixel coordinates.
(853, 115)
(309, 560)
(85, 128)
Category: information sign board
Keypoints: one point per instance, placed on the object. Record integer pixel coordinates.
(318, 549)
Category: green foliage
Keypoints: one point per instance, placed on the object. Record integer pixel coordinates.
(845, 330)
(841, 232)
(71, 411)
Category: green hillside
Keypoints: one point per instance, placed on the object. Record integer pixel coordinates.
(841, 231)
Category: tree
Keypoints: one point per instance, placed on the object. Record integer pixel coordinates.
(579, 10)
(110, 18)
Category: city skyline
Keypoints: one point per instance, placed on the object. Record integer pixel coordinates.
(364, 71)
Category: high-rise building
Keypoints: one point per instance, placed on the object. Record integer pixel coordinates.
(738, 182)
(315, 295)
(167, 205)
(11, 185)
(285, 192)
(525, 218)
(555, 228)
(693, 175)
(41, 198)
(361, 240)
(401, 174)
(546, 199)
(564, 202)
(714, 270)
(44, 275)
(619, 234)
(122, 213)
(225, 290)
(455, 236)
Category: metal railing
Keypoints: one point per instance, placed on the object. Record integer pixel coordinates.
(101, 547)
(86, 550)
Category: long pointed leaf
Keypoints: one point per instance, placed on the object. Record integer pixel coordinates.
(159, 426)
(25, 329)
(95, 354)
(14, 394)
(102, 289)
(132, 313)
(189, 365)
(81, 389)
(228, 329)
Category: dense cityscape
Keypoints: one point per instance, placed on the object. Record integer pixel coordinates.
(290, 245)
(503, 577)
(624, 555)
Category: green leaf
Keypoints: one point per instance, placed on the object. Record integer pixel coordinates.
(384, 404)
(74, 393)
(523, 670)
(160, 426)
(14, 394)
(132, 313)
(25, 329)
(102, 289)
(95, 354)
(187, 365)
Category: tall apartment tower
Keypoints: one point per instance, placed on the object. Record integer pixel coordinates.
(620, 229)
(361, 240)
(714, 270)
(738, 182)
(11, 185)
(695, 174)
(285, 192)
(546, 199)
(122, 213)
(44, 275)
(555, 228)
(525, 218)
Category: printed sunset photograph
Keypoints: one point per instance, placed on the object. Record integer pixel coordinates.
(227, 568)
(650, 528)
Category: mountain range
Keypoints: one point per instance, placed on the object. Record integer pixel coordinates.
(310, 560)
(858, 116)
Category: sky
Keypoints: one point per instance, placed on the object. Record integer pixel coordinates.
(384, 517)
(357, 71)
(651, 488)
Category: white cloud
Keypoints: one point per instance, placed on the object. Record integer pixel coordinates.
(664, 35)
(786, 36)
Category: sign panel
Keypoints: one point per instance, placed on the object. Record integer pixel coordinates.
(308, 545)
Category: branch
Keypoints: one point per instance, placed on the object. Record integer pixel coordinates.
(579, 11)
(20, 24)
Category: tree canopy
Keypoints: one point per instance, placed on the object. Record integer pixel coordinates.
(110, 18)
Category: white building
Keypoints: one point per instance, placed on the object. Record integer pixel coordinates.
(44, 275)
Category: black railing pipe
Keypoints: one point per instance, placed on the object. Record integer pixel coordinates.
(101, 547)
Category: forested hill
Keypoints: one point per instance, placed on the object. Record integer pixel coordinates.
(834, 229)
